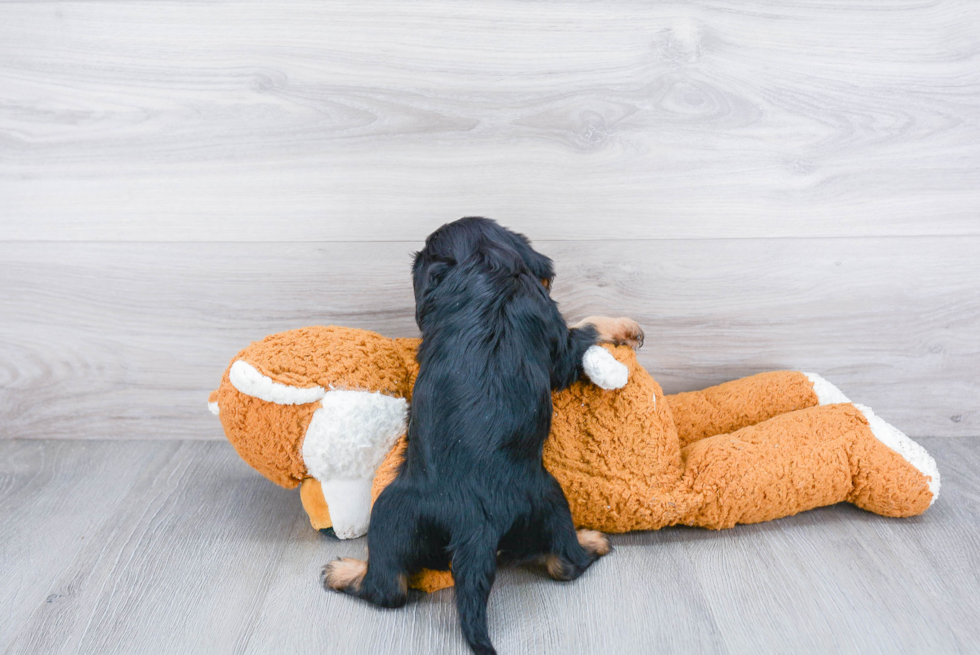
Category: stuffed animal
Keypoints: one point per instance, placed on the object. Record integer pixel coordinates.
(326, 408)
(323, 406)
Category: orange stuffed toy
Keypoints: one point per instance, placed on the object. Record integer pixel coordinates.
(326, 408)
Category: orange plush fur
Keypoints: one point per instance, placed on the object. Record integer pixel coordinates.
(746, 451)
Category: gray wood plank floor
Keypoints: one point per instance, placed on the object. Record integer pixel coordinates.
(178, 547)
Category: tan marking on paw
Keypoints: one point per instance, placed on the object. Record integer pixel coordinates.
(344, 573)
(620, 331)
(593, 541)
(555, 566)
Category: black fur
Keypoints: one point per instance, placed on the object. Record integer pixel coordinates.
(473, 485)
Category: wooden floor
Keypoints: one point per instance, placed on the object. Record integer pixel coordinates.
(178, 547)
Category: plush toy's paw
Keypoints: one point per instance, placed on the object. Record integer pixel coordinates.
(910, 451)
(827, 393)
(594, 542)
(618, 331)
(343, 574)
(603, 369)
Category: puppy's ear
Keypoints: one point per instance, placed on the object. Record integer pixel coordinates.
(427, 274)
(501, 258)
(541, 267)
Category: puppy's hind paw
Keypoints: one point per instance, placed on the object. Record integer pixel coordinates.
(594, 542)
(343, 574)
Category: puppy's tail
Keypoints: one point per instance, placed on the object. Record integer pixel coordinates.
(474, 568)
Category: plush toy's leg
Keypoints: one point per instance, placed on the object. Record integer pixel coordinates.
(346, 439)
(349, 503)
(341, 504)
(737, 404)
(311, 495)
(884, 482)
(805, 459)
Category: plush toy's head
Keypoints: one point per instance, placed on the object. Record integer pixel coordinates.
(321, 402)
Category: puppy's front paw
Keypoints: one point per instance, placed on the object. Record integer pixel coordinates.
(627, 333)
(620, 331)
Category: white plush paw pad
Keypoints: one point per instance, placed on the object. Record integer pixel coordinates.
(827, 394)
(349, 504)
(912, 452)
(213, 408)
(603, 369)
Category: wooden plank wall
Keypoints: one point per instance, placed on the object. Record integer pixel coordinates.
(762, 184)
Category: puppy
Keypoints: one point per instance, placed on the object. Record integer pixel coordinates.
(473, 487)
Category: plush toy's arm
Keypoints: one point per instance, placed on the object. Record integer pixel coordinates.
(571, 349)
(737, 404)
(603, 369)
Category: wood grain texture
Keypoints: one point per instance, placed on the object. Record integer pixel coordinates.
(126, 340)
(238, 121)
(157, 546)
(53, 498)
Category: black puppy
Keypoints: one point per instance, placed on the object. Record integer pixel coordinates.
(473, 486)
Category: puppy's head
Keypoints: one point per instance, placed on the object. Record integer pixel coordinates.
(474, 240)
